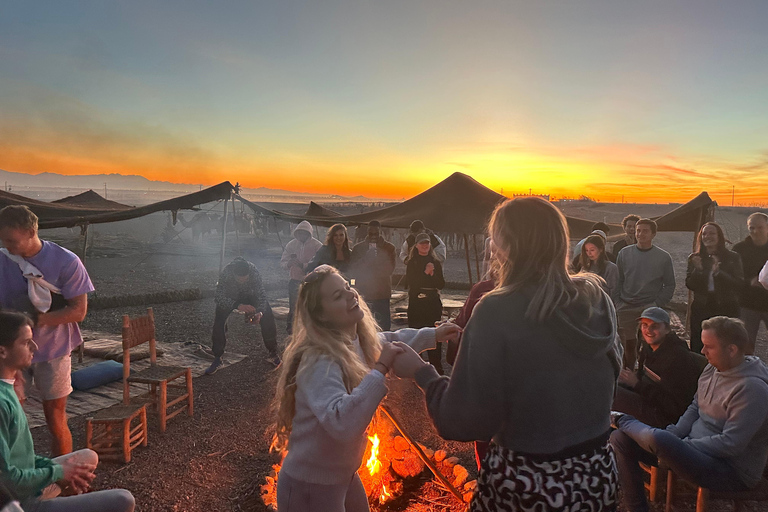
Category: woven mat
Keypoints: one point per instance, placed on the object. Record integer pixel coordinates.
(192, 355)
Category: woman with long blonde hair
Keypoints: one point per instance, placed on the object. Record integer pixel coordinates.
(332, 380)
(535, 373)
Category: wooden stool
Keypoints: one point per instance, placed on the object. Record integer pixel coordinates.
(652, 486)
(114, 432)
(704, 495)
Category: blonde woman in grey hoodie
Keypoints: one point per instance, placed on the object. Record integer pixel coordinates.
(535, 373)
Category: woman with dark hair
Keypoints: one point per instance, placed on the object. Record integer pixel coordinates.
(424, 273)
(334, 252)
(535, 373)
(594, 259)
(715, 276)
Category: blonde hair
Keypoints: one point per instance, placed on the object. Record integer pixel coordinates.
(533, 234)
(314, 338)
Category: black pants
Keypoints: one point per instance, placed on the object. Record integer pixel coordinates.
(704, 309)
(219, 336)
(425, 312)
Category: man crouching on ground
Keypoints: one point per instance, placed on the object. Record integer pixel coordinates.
(240, 288)
(36, 481)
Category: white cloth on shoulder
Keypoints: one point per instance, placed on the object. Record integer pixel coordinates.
(38, 288)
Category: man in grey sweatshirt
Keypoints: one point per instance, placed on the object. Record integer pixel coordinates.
(721, 442)
(646, 279)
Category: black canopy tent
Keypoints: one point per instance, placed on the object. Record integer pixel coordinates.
(460, 204)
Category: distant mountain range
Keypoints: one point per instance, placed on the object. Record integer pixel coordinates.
(17, 181)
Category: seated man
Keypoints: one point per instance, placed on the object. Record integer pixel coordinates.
(721, 442)
(29, 477)
(665, 381)
(240, 288)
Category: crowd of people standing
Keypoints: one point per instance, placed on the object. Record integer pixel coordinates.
(566, 369)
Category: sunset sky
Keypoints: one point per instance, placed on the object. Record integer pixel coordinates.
(650, 100)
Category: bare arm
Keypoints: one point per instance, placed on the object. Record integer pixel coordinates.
(73, 312)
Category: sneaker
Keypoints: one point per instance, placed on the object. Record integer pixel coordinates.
(215, 365)
(615, 417)
(274, 360)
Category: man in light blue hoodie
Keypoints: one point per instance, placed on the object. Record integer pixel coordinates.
(721, 441)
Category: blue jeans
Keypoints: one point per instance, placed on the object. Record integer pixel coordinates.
(380, 310)
(636, 442)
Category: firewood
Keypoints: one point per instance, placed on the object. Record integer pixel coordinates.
(450, 462)
(461, 475)
(427, 451)
(400, 444)
(470, 486)
(440, 455)
(410, 466)
(468, 496)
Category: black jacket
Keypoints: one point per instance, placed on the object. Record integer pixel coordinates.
(729, 280)
(325, 255)
(678, 371)
(753, 258)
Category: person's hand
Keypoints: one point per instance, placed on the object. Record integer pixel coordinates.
(447, 332)
(247, 309)
(78, 475)
(696, 260)
(408, 362)
(628, 377)
(430, 269)
(388, 353)
(255, 319)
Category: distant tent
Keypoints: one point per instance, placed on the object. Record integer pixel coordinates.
(316, 210)
(460, 204)
(66, 214)
(90, 199)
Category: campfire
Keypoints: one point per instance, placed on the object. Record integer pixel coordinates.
(392, 466)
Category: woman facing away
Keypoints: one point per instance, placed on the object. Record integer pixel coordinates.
(335, 251)
(715, 275)
(535, 373)
(332, 380)
(424, 274)
(594, 259)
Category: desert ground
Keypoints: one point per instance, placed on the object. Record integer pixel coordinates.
(217, 459)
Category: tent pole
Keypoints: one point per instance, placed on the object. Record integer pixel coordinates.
(469, 265)
(234, 220)
(223, 238)
(477, 258)
(277, 230)
(703, 216)
(85, 242)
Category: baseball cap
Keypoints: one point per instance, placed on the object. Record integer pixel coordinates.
(655, 314)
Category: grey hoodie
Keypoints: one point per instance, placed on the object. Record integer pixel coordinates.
(728, 418)
(536, 388)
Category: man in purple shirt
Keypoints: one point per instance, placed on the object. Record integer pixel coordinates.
(62, 274)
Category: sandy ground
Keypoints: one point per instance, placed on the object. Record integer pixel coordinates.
(215, 460)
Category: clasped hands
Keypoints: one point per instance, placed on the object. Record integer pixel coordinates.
(403, 361)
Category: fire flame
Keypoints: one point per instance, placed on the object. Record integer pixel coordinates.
(374, 464)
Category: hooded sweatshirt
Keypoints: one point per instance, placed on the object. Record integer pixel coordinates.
(304, 251)
(534, 387)
(728, 418)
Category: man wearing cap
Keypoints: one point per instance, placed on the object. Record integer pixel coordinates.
(371, 265)
(296, 256)
(663, 385)
(646, 279)
(240, 289)
(438, 246)
(721, 441)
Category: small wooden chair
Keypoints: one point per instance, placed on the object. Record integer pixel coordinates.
(142, 330)
(112, 434)
(652, 485)
(704, 495)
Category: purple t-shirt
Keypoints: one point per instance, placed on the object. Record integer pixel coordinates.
(63, 269)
